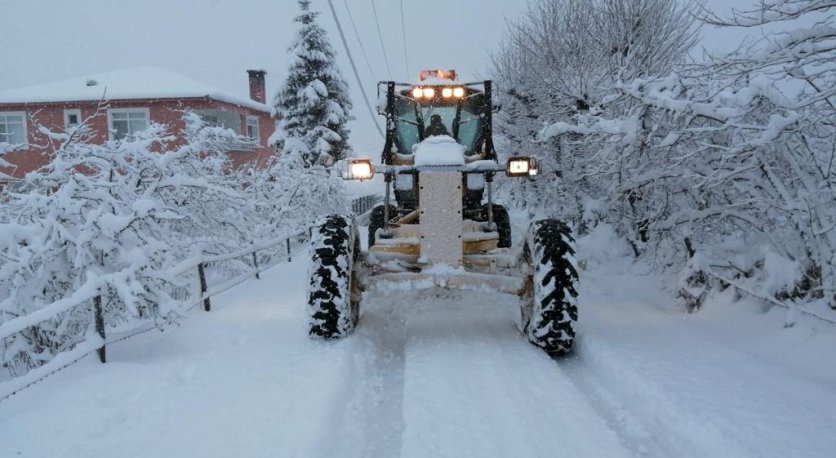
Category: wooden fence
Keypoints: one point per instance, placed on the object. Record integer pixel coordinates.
(277, 251)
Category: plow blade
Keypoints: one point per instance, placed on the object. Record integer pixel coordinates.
(462, 281)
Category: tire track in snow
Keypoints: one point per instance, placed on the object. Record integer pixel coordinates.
(652, 421)
(473, 387)
(645, 413)
(381, 338)
(643, 437)
(674, 385)
(377, 376)
(694, 410)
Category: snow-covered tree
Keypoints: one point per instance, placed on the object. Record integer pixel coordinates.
(723, 168)
(561, 61)
(313, 104)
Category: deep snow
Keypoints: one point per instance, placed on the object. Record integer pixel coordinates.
(446, 374)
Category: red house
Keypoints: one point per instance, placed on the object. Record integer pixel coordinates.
(135, 98)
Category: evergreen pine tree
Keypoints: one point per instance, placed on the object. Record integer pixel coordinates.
(313, 102)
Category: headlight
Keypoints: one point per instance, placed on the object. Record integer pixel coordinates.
(359, 169)
(429, 92)
(417, 93)
(520, 166)
(458, 92)
(447, 92)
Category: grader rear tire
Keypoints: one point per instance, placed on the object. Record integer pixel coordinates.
(503, 224)
(376, 221)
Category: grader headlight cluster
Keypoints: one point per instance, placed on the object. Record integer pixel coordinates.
(428, 92)
(423, 92)
(457, 92)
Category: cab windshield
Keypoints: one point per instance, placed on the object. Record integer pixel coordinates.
(460, 120)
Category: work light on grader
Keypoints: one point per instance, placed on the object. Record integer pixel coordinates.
(438, 225)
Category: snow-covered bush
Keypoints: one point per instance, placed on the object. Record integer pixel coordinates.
(114, 217)
(214, 201)
(291, 195)
(6, 148)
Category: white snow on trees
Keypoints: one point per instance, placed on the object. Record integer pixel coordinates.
(719, 169)
(313, 105)
(117, 220)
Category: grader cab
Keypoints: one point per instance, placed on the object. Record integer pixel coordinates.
(438, 225)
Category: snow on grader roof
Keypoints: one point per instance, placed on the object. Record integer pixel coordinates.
(125, 84)
(442, 229)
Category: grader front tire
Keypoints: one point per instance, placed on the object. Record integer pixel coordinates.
(332, 306)
(550, 313)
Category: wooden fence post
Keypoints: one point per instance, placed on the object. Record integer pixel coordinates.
(100, 327)
(255, 264)
(203, 288)
(289, 259)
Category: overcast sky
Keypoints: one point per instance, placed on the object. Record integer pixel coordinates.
(217, 40)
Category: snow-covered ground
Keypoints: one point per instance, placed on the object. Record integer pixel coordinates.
(446, 374)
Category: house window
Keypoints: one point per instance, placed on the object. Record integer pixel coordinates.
(127, 121)
(211, 120)
(252, 129)
(13, 127)
(72, 118)
(221, 118)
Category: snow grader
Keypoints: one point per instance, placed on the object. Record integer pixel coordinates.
(438, 225)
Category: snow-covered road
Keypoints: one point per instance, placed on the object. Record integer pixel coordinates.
(443, 374)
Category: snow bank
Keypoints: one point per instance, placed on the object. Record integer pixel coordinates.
(782, 274)
(7, 388)
(601, 245)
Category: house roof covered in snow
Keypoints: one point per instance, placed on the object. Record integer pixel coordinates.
(126, 84)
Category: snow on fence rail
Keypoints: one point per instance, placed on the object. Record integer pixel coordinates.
(282, 248)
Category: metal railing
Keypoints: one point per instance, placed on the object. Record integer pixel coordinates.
(364, 204)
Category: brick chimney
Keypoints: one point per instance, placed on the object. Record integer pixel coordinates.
(257, 89)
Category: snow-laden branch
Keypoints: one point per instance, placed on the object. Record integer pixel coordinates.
(86, 292)
(768, 11)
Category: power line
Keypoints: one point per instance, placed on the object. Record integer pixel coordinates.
(354, 68)
(356, 34)
(405, 52)
(380, 35)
